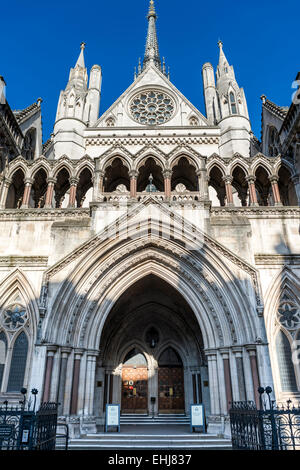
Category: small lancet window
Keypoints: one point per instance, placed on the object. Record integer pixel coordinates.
(233, 103)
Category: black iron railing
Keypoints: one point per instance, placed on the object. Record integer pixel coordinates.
(272, 427)
(24, 428)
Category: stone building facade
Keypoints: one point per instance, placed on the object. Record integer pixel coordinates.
(152, 251)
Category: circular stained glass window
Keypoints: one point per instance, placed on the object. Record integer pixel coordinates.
(152, 107)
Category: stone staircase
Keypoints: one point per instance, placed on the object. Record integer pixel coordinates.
(142, 432)
(163, 420)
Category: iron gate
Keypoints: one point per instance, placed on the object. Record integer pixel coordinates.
(272, 427)
(23, 428)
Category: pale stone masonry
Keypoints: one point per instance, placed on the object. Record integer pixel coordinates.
(151, 239)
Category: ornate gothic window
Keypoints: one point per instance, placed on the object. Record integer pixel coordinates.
(274, 143)
(18, 363)
(3, 349)
(152, 107)
(232, 103)
(29, 144)
(285, 363)
(14, 322)
(288, 316)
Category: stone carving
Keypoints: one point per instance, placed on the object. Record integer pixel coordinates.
(289, 313)
(14, 317)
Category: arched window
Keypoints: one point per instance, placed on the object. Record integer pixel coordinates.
(285, 364)
(273, 142)
(29, 144)
(232, 103)
(135, 358)
(3, 349)
(169, 357)
(18, 364)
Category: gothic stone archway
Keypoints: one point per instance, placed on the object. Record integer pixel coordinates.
(152, 345)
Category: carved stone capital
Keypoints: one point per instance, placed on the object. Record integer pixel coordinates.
(227, 179)
(273, 179)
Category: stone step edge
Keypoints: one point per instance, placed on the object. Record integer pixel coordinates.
(152, 447)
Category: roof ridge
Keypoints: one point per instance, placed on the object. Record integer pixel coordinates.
(21, 114)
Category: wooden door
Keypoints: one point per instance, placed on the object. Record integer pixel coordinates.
(134, 390)
(170, 390)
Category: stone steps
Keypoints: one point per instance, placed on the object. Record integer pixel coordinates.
(157, 420)
(117, 441)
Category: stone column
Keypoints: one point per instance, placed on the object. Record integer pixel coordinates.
(228, 180)
(48, 373)
(72, 195)
(4, 190)
(203, 181)
(90, 382)
(213, 382)
(227, 376)
(75, 382)
(133, 183)
(276, 195)
(26, 194)
(98, 182)
(49, 194)
(254, 371)
(240, 393)
(62, 379)
(252, 190)
(167, 183)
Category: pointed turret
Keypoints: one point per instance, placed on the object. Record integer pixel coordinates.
(231, 98)
(152, 51)
(226, 107)
(78, 107)
(80, 60)
(78, 75)
(224, 69)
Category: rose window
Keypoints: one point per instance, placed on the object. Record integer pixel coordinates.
(289, 314)
(152, 107)
(14, 317)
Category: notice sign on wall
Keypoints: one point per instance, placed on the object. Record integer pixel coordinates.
(112, 417)
(197, 418)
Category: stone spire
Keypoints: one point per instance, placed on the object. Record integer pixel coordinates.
(80, 60)
(151, 51)
(224, 69)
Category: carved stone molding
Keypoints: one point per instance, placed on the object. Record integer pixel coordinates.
(31, 261)
(277, 260)
(44, 214)
(97, 141)
(257, 211)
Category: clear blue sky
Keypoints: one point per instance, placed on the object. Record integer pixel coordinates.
(40, 41)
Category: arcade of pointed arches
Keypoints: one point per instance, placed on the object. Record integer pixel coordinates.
(67, 183)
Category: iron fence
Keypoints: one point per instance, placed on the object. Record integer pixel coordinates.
(272, 427)
(24, 428)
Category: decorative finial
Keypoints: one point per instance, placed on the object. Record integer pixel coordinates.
(263, 98)
(151, 9)
(220, 44)
(82, 46)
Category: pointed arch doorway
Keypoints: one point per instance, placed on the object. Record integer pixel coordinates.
(134, 383)
(151, 335)
(170, 382)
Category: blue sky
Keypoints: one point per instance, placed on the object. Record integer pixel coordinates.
(40, 41)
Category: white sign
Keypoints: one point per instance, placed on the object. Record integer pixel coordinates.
(25, 436)
(197, 415)
(112, 415)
